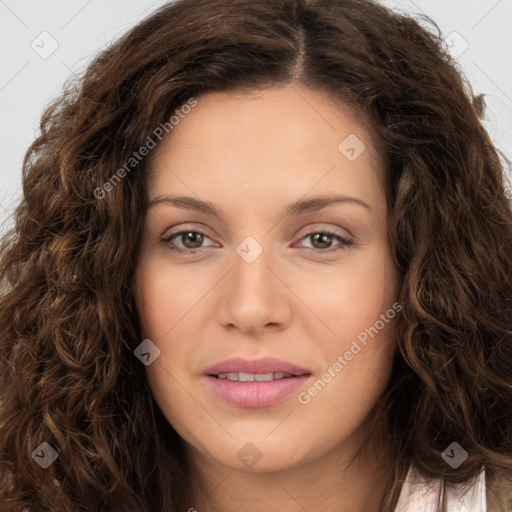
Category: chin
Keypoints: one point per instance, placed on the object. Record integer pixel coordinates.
(259, 455)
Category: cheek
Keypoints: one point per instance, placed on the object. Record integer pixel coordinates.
(348, 298)
(357, 338)
(357, 370)
(168, 298)
(172, 316)
(162, 309)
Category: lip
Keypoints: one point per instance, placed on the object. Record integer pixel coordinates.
(255, 394)
(264, 365)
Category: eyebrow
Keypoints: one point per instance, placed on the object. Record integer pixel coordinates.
(297, 208)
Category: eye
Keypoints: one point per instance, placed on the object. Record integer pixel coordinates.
(191, 240)
(322, 240)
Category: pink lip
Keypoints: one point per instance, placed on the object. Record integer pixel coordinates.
(255, 394)
(264, 365)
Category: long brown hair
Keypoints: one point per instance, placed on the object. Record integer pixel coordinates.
(68, 319)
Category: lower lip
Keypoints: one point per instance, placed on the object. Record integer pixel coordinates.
(255, 394)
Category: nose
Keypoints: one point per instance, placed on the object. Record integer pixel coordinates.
(254, 297)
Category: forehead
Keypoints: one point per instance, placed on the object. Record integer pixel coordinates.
(288, 138)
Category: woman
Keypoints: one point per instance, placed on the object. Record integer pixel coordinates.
(262, 262)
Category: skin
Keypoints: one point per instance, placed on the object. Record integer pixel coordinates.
(252, 156)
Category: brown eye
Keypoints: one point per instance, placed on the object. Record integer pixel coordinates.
(185, 240)
(322, 241)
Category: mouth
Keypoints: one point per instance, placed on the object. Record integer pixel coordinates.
(255, 384)
(256, 377)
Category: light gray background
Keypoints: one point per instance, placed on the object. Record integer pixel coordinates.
(477, 31)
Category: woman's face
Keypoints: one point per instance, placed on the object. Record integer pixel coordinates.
(258, 279)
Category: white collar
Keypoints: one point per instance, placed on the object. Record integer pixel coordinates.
(420, 494)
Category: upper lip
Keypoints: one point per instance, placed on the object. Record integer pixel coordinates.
(263, 365)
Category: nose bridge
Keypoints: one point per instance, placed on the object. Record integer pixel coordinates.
(253, 296)
(251, 273)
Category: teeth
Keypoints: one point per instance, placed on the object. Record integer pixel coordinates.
(262, 377)
(251, 377)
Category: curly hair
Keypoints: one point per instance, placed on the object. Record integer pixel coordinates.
(68, 318)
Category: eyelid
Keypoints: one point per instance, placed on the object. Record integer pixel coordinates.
(321, 228)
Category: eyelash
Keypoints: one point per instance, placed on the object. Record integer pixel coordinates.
(167, 240)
